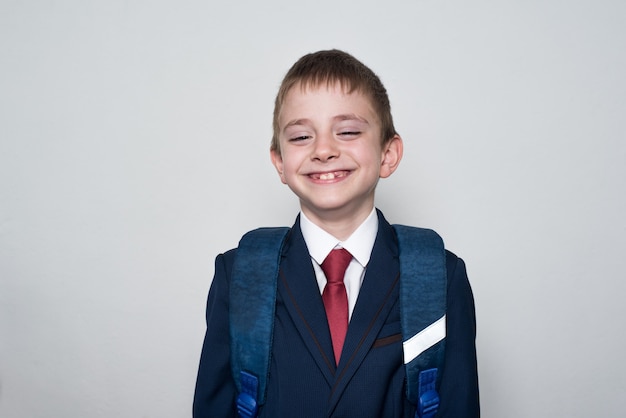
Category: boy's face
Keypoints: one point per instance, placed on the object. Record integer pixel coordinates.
(331, 154)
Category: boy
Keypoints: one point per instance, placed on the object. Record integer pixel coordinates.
(337, 346)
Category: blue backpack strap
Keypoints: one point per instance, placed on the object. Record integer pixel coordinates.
(423, 285)
(252, 301)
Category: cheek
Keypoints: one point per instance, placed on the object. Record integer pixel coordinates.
(370, 157)
(292, 159)
(289, 169)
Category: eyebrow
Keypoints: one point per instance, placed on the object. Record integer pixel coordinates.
(296, 122)
(347, 116)
(351, 116)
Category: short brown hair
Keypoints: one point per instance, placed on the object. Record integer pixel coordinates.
(330, 67)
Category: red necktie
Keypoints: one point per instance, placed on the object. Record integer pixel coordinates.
(335, 297)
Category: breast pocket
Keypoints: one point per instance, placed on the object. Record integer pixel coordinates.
(389, 334)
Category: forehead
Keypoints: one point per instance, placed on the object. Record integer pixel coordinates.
(325, 99)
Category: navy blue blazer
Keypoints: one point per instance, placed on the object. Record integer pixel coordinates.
(370, 379)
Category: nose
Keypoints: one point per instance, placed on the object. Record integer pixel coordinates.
(325, 148)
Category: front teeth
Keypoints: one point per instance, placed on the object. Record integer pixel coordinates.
(327, 176)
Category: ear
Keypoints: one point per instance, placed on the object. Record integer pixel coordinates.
(391, 156)
(277, 160)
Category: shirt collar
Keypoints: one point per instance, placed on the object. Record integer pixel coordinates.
(359, 244)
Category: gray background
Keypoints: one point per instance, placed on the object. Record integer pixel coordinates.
(134, 148)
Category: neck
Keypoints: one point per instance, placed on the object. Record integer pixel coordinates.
(340, 227)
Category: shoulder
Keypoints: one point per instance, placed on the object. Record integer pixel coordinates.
(455, 268)
(223, 267)
(257, 244)
(453, 262)
(460, 296)
(226, 258)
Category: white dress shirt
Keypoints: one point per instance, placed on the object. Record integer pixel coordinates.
(320, 243)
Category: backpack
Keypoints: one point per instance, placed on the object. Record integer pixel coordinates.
(423, 283)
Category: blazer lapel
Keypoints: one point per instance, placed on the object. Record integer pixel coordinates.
(300, 292)
(377, 296)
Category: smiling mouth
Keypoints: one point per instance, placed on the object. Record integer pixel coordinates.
(329, 176)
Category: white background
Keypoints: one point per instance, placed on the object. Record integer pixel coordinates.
(134, 148)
